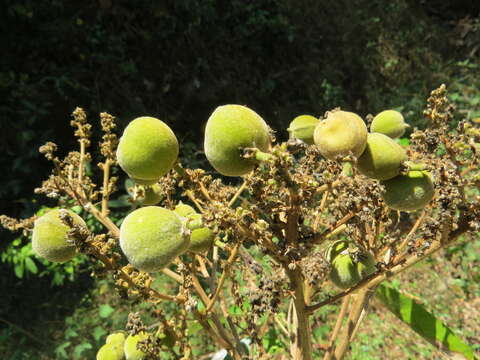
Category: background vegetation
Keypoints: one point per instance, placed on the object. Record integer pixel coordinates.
(178, 60)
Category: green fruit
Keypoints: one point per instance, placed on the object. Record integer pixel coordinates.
(130, 347)
(151, 237)
(390, 123)
(302, 127)
(335, 249)
(366, 265)
(111, 352)
(340, 133)
(147, 149)
(201, 240)
(115, 338)
(184, 210)
(344, 271)
(229, 129)
(153, 195)
(408, 192)
(49, 238)
(382, 158)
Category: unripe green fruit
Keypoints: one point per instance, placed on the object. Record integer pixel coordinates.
(184, 210)
(382, 158)
(390, 123)
(302, 127)
(344, 272)
(147, 149)
(335, 249)
(113, 351)
(347, 270)
(151, 237)
(201, 238)
(340, 133)
(408, 192)
(229, 129)
(49, 238)
(130, 347)
(115, 338)
(153, 195)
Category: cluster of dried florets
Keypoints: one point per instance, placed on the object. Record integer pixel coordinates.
(324, 204)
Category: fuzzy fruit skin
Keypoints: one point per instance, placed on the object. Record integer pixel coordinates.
(302, 127)
(340, 133)
(201, 238)
(390, 123)
(230, 128)
(110, 352)
(115, 338)
(49, 238)
(153, 195)
(147, 149)
(151, 237)
(130, 347)
(408, 192)
(382, 157)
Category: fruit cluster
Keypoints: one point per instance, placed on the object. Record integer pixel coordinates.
(117, 347)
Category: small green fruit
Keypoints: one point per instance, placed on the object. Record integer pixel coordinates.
(344, 271)
(340, 133)
(302, 127)
(49, 238)
(201, 238)
(130, 347)
(335, 249)
(408, 192)
(147, 150)
(365, 265)
(113, 351)
(390, 123)
(151, 237)
(229, 129)
(153, 195)
(382, 158)
(115, 338)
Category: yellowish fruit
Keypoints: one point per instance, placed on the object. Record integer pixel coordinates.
(302, 127)
(335, 249)
(49, 238)
(339, 134)
(110, 352)
(382, 157)
(390, 123)
(115, 338)
(151, 237)
(147, 149)
(184, 210)
(229, 129)
(153, 195)
(408, 192)
(344, 272)
(130, 347)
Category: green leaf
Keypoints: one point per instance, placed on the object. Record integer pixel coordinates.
(105, 310)
(423, 322)
(30, 265)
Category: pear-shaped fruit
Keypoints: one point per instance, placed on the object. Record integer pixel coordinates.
(151, 237)
(390, 123)
(382, 157)
(302, 127)
(147, 150)
(340, 133)
(115, 338)
(130, 347)
(408, 192)
(153, 195)
(49, 238)
(229, 129)
(112, 351)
